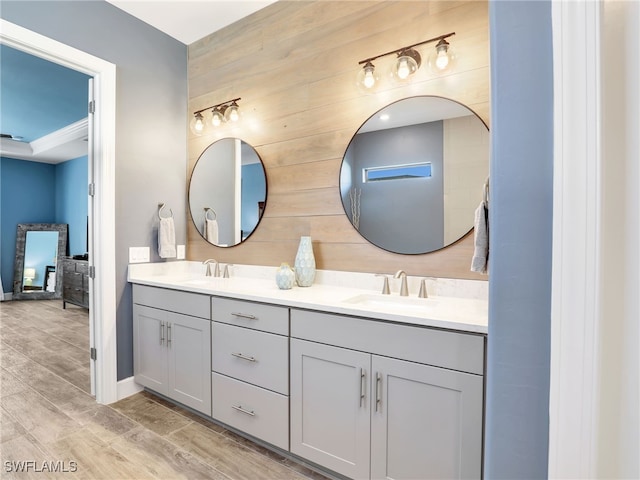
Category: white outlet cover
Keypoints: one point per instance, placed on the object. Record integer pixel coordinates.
(180, 252)
(139, 254)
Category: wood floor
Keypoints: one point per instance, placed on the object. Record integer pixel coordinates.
(50, 422)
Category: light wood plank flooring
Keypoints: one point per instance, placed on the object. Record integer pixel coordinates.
(48, 417)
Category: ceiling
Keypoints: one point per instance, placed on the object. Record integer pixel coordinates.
(44, 105)
(190, 20)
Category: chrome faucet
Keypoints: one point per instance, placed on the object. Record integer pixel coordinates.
(216, 270)
(404, 290)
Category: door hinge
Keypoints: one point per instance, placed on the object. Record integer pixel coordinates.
(92, 189)
(92, 271)
(93, 353)
(92, 106)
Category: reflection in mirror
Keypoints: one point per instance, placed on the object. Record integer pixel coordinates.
(412, 176)
(227, 192)
(37, 271)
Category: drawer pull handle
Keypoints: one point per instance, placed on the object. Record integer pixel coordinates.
(168, 334)
(244, 315)
(244, 357)
(363, 384)
(161, 333)
(242, 410)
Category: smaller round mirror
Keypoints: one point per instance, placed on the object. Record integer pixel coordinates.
(413, 174)
(227, 192)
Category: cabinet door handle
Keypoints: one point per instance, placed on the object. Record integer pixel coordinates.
(161, 333)
(363, 385)
(168, 334)
(378, 390)
(244, 357)
(244, 315)
(242, 410)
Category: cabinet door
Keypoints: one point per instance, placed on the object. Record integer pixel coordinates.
(426, 422)
(149, 339)
(189, 351)
(330, 410)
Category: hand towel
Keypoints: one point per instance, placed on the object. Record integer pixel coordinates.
(166, 238)
(479, 262)
(211, 230)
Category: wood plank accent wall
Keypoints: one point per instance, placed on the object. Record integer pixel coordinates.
(294, 64)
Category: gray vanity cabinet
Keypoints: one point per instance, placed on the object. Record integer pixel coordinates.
(172, 350)
(369, 402)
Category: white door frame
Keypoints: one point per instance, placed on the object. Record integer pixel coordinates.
(577, 213)
(103, 292)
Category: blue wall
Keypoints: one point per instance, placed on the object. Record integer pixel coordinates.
(72, 201)
(517, 421)
(253, 190)
(28, 196)
(56, 194)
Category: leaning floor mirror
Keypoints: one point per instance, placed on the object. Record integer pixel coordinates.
(38, 268)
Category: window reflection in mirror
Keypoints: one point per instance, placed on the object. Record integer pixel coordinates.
(412, 176)
(227, 192)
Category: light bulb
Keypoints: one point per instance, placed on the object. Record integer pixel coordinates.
(443, 58)
(197, 124)
(367, 78)
(216, 117)
(403, 68)
(232, 113)
(406, 65)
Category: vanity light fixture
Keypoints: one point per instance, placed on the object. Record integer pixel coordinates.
(228, 111)
(408, 62)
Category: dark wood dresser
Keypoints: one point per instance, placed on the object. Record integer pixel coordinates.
(75, 282)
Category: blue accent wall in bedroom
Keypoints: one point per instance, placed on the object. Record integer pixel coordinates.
(28, 196)
(33, 192)
(72, 201)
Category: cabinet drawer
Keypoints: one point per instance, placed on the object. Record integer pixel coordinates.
(193, 304)
(73, 280)
(253, 356)
(82, 267)
(74, 295)
(441, 348)
(258, 316)
(254, 410)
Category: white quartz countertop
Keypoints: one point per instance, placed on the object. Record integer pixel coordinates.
(331, 293)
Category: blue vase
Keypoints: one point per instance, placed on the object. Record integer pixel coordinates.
(285, 277)
(305, 264)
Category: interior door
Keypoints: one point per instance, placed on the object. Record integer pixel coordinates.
(90, 250)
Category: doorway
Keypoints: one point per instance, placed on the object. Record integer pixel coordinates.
(102, 210)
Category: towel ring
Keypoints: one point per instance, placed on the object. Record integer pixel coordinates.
(206, 212)
(160, 207)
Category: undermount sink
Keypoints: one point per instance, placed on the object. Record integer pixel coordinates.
(369, 300)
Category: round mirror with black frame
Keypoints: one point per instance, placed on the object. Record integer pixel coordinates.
(413, 174)
(227, 192)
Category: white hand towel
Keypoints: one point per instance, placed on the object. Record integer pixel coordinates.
(166, 238)
(211, 230)
(479, 262)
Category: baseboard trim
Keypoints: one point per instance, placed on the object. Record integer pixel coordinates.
(128, 387)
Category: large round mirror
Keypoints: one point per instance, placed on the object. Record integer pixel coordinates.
(413, 174)
(227, 192)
